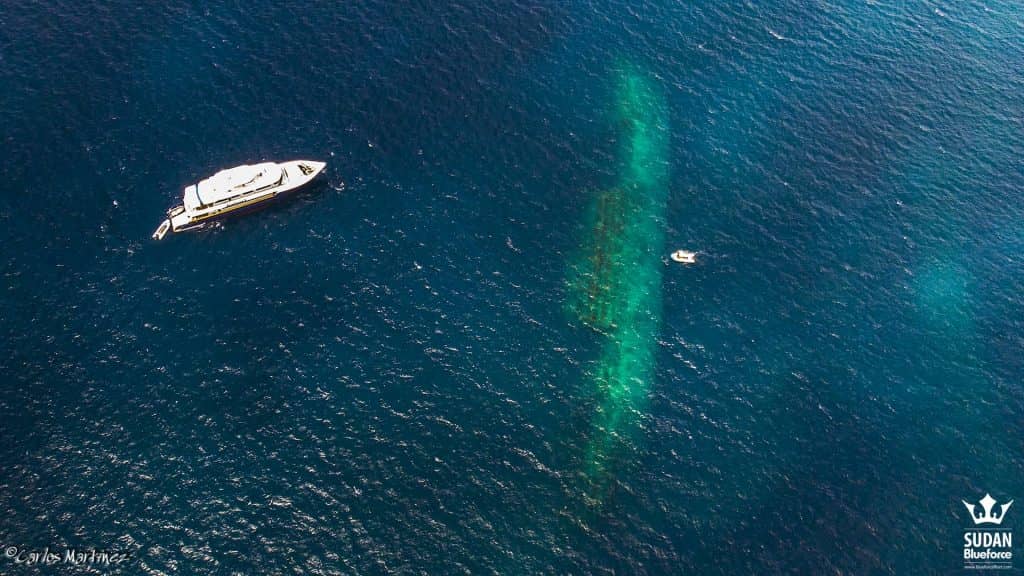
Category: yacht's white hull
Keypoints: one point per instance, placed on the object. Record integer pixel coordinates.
(194, 214)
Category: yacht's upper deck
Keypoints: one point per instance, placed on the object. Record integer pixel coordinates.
(233, 182)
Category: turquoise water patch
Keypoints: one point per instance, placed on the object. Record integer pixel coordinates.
(943, 295)
(615, 286)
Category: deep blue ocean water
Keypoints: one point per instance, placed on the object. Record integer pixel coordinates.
(381, 375)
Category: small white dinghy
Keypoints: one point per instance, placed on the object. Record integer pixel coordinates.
(684, 257)
(162, 230)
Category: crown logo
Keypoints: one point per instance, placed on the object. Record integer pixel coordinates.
(984, 516)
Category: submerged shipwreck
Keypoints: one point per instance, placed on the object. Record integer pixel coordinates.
(615, 281)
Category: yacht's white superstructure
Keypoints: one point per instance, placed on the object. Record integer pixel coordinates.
(237, 190)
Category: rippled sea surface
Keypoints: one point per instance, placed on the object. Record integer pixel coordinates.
(387, 374)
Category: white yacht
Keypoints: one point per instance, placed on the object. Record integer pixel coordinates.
(237, 190)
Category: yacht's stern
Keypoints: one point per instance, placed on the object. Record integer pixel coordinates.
(181, 221)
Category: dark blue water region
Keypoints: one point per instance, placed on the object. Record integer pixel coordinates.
(384, 375)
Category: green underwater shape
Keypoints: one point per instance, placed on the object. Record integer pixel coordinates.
(615, 282)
